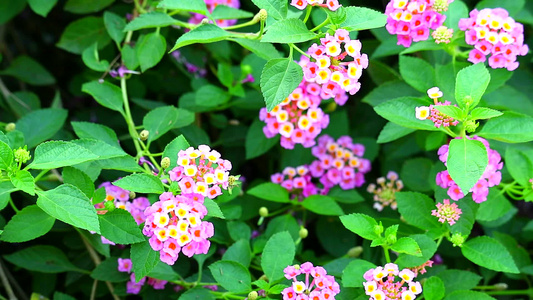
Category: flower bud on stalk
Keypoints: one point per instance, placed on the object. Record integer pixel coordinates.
(252, 295)
(144, 135)
(355, 251)
(10, 127)
(165, 163)
(303, 233)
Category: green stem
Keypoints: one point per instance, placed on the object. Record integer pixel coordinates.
(299, 50)
(261, 30)
(128, 118)
(511, 292)
(326, 22)
(43, 172)
(241, 25)
(308, 13)
(450, 132)
(226, 295)
(387, 255)
(13, 205)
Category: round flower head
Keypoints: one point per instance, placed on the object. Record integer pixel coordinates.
(447, 212)
(494, 33)
(316, 283)
(438, 118)
(389, 283)
(298, 182)
(384, 192)
(442, 35)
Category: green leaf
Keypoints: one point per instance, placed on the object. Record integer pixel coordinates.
(280, 77)
(96, 131)
(160, 120)
(96, 240)
(264, 50)
(322, 205)
(197, 6)
(513, 7)
(28, 224)
(402, 112)
(283, 223)
(143, 259)
(450, 110)
(41, 258)
(92, 60)
(61, 296)
(141, 183)
(288, 31)
(207, 33)
(484, 113)
(407, 245)
(68, 204)
(105, 93)
(455, 280)
(172, 149)
(352, 275)
(456, 11)
(213, 210)
(6, 156)
(277, 255)
(164, 272)
(471, 81)
(417, 73)
(55, 154)
(489, 253)
(129, 56)
(197, 293)
(384, 91)
(224, 12)
(23, 181)
(211, 96)
(79, 179)
(433, 288)
(23, 102)
(82, 33)
(361, 18)
(100, 148)
(520, 164)
(428, 247)
(470, 295)
(467, 160)
(270, 191)
(108, 271)
(151, 19)
(86, 6)
(416, 209)
(239, 252)
(415, 173)
(40, 125)
(511, 127)
(24, 68)
(232, 276)
(9, 9)
(150, 50)
(496, 205)
(114, 25)
(276, 9)
(256, 143)
(119, 226)
(392, 131)
(361, 225)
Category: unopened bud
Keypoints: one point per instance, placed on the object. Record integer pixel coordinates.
(109, 205)
(22, 155)
(252, 295)
(391, 239)
(296, 267)
(471, 126)
(355, 251)
(457, 239)
(263, 277)
(303, 233)
(378, 229)
(10, 127)
(468, 100)
(165, 162)
(262, 15)
(144, 135)
(205, 21)
(132, 195)
(501, 286)
(263, 212)
(234, 122)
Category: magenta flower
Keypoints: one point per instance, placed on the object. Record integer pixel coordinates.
(332, 5)
(447, 212)
(381, 283)
(317, 284)
(211, 4)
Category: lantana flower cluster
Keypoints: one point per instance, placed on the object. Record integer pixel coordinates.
(411, 20)
(174, 224)
(298, 118)
(429, 112)
(339, 162)
(332, 5)
(381, 283)
(330, 68)
(133, 287)
(491, 176)
(447, 212)
(384, 194)
(297, 181)
(211, 4)
(201, 171)
(493, 32)
(317, 284)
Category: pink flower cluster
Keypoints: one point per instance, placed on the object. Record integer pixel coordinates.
(384, 194)
(298, 118)
(201, 171)
(411, 20)
(211, 4)
(318, 285)
(133, 287)
(174, 224)
(332, 5)
(339, 162)
(493, 32)
(438, 118)
(381, 283)
(422, 268)
(329, 70)
(297, 181)
(447, 212)
(491, 176)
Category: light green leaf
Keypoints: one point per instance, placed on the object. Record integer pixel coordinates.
(143, 259)
(86, 6)
(55, 154)
(40, 125)
(92, 60)
(129, 56)
(96, 131)
(150, 20)
(496, 205)
(277, 255)
(416, 209)
(232, 276)
(82, 33)
(99, 148)
(224, 12)
(119, 226)
(115, 26)
(484, 113)
(433, 288)
(392, 131)
(417, 73)
(402, 111)
(105, 93)
(256, 143)
(352, 275)
(489, 253)
(23, 180)
(160, 120)
(41, 258)
(471, 81)
(79, 179)
(322, 205)
(360, 224)
(288, 31)
(68, 204)
(141, 183)
(197, 6)
(150, 50)
(211, 96)
(456, 11)
(108, 271)
(276, 9)
(511, 127)
(361, 18)
(30, 71)
(264, 50)
(450, 110)
(172, 149)
(428, 247)
(407, 245)
(280, 77)
(270, 191)
(29, 223)
(207, 33)
(6, 156)
(467, 160)
(213, 210)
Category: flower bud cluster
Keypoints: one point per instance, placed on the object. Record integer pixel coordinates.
(447, 212)
(384, 193)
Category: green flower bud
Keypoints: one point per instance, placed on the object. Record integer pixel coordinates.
(22, 155)
(471, 126)
(144, 135)
(252, 295)
(109, 205)
(246, 69)
(165, 162)
(263, 212)
(10, 127)
(458, 239)
(355, 251)
(263, 14)
(378, 229)
(303, 233)
(468, 100)
(501, 286)
(132, 195)
(391, 239)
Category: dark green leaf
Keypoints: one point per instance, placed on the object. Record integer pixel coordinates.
(79, 179)
(489, 253)
(270, 191)
(41, 258)
(105, 93)
(119, 226)
(197, 293)
(239, 252)
(82, 33)
(40, 125)
(402, 111)
(470, 295)
(96, 131)
(207, 33)
(520, 164)
(30, 71)
(352, 276)
(361, 18)
(288, 31)
(143, 258)
(455, 280)
(264, 50)
(232, 276)
(417, 73)
(150, 20)
(416, 210)
(172, 149)
(392, 131)
(211, 96)
(511, 127)
(224, 12)
(467, 160)
(428, 247)
(160, 120)
(256, 143)
(115, 26)
(197, 6)
(86, 6)
(277, 255)
(28, 224)
(150, 50)
(213, 210)
(9, 9)
(280, 77)
(92, 60)
(55, 154)
(322, 205)
(108, 271)
(433, 288)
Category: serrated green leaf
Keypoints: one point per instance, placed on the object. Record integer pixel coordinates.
(276, 9)
(41, 258)
(150, 50)
(264, 50)
(407, 245)
(141, 183)
(270, 191)
(119, 226)
(288, 31)
(484, 113)
(114, 25)
(232, 276)
(455, 280)
(467, 160)
(322, 205)
(143, 259)
(489, 253)
(402, 112)
(197, 6)
(520, 164)
(428, 247)
(239, 252)
(392, 131)
(213, 210)
(511, 127)
(352, 275)
(224, 12)
(361, 225)
(256, 143)
(361, 18)
(40, 125)
(79, 179)
(160, 120)
(6, 156)
(29, 223)
(108, 271)
(277, 255)
(280, 77)
(416, 210)
(417, 73)
(82, 33)
(105, 93)
(471, 81)
(207, 33)
(24, 181)
(30, 71)
(96, 131)
(450, 110)
(55, 154)
(211, 96)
